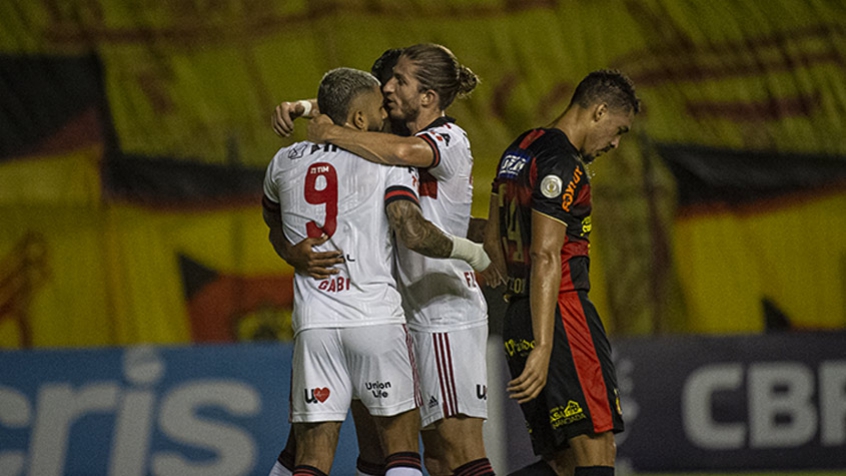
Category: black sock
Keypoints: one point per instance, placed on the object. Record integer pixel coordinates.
(368, 467)
(479, 467)
(286, 459)
(406, 459)
(594, 471)
(538, 468)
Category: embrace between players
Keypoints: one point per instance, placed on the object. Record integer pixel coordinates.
(389, 321)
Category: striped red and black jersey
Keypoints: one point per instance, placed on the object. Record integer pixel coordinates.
(541, 170)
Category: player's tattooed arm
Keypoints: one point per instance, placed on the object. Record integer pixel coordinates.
(417, 233)
(422, 236)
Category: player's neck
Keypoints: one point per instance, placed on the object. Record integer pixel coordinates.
(573, 125)
(426, 117)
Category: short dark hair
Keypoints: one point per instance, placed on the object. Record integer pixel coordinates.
(439, 70)
(339, 87)
(383, 67)
(609, 86)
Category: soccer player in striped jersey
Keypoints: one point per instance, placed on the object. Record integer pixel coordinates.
(313, 190)
(537, 234)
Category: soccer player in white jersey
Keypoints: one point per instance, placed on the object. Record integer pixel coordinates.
(313, 190)
(445, 308)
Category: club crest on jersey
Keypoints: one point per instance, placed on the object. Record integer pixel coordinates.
(297, 151)
(511, 165)
(551, 186)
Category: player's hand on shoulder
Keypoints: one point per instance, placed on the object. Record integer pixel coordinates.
(319, 127)
(317, 264)
(282, 119)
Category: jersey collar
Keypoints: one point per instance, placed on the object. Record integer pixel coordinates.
(439, 122)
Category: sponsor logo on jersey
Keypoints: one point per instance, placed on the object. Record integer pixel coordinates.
(316, 395)
(522, 347)
(482, 392)
(569, 194)
(560, 416)
(511, 165)
(586, 226)
(551, 186)
(379, 389)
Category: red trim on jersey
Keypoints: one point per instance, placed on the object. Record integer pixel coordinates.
(270, 205)
(428, 186)
(531, 137)
(586, 361)
(436, 153)
(409, 343)
(566, 277)
(533, 175)
(400, 193)
(446, 377)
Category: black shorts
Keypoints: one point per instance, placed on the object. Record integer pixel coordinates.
(580, 396)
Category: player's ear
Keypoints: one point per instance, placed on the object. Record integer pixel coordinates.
(359, 120)
(429, 98)
(599, 111)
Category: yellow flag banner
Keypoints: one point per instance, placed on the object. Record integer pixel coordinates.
(760, 247)
(82, 276)
(133, 137)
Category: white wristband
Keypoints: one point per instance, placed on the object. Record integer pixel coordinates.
(473, 253)
(306, 107)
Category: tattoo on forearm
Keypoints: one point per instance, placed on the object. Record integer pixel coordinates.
(417, 233)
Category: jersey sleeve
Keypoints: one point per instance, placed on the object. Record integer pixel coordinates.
(401, 184)
(449, 147)
(270, 199)
(558, 181)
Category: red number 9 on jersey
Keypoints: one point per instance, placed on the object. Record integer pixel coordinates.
(327, 196)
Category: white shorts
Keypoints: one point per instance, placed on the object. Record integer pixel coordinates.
(453, 373)
(333, 366)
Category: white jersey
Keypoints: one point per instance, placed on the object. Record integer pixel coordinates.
(442, 294)
(319, 188)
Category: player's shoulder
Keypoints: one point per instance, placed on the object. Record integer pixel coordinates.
(445, 132)
(302, 153)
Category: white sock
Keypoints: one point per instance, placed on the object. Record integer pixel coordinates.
(403, 471)
(279, 470)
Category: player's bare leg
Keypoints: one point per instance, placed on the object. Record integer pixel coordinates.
(316, 444)
(451, 443)
(371, 459)
(284, 465)
(563, 462)
(400, 442)
(594, 454)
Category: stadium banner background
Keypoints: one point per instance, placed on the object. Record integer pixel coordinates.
(194, 83)
(763, 404)
(751, 403)
(210, 410)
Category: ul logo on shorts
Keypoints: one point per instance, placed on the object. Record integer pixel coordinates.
(482, 392)
(316, 395)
